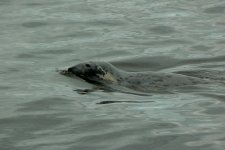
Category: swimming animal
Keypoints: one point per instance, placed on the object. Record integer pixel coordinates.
(108, 77)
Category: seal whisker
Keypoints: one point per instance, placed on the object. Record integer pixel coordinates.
(110, 102)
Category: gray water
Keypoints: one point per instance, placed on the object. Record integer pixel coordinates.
(39, 109)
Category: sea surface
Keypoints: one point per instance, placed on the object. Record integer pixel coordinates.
(39, 109)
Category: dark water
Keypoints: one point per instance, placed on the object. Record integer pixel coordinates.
(39, 109)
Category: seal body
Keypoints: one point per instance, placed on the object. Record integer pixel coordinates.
(106, 75)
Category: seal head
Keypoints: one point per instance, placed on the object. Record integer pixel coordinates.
(94, 72)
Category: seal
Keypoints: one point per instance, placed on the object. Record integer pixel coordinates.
(108, 77)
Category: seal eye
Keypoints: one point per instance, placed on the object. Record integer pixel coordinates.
(70, 70)
(87, 65)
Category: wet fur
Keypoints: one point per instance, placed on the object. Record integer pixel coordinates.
(106, 75)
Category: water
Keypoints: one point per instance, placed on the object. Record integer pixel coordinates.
(39, 109)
